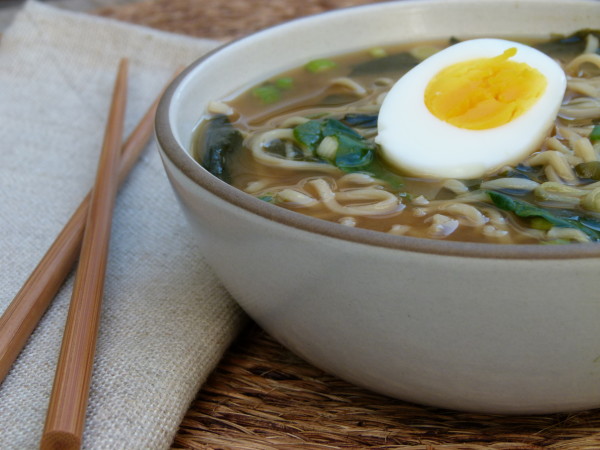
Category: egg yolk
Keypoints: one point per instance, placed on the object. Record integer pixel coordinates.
(484, 93)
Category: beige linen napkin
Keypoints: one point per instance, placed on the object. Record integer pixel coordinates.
(166, 319)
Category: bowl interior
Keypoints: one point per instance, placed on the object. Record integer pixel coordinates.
(246, 62)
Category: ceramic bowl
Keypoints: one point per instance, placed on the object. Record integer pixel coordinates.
(477, 327)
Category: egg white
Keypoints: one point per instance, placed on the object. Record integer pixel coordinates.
(418, 143)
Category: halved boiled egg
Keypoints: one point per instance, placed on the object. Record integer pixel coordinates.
(470, 109)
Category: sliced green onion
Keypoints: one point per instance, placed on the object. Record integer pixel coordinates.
(267, 93)
(595, 134)
(378, 52)
(320, 65)
(284, 83)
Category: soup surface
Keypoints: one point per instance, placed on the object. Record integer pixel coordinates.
(305, 140)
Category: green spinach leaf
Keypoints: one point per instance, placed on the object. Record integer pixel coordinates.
(526, 210)
(354, 153)
(221, 141)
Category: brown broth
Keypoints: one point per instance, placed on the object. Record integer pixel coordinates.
(311, 96)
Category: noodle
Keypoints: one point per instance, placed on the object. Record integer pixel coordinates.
(279, 167)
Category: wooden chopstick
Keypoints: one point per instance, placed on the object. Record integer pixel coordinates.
(68, 402)
(31, 302)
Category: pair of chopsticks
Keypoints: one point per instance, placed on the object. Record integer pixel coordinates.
(86, 235)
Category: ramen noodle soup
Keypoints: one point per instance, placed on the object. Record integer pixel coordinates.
(486, 140)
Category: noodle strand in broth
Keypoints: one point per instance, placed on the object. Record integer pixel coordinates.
(308, 146)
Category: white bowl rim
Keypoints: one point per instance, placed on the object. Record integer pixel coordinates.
(181, 159)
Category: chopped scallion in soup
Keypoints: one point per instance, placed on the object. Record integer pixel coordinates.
(483, 141)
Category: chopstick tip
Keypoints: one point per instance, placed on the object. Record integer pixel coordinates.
(59, 440)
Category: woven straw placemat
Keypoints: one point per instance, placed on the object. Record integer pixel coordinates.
(220, 19)
(263, 397)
